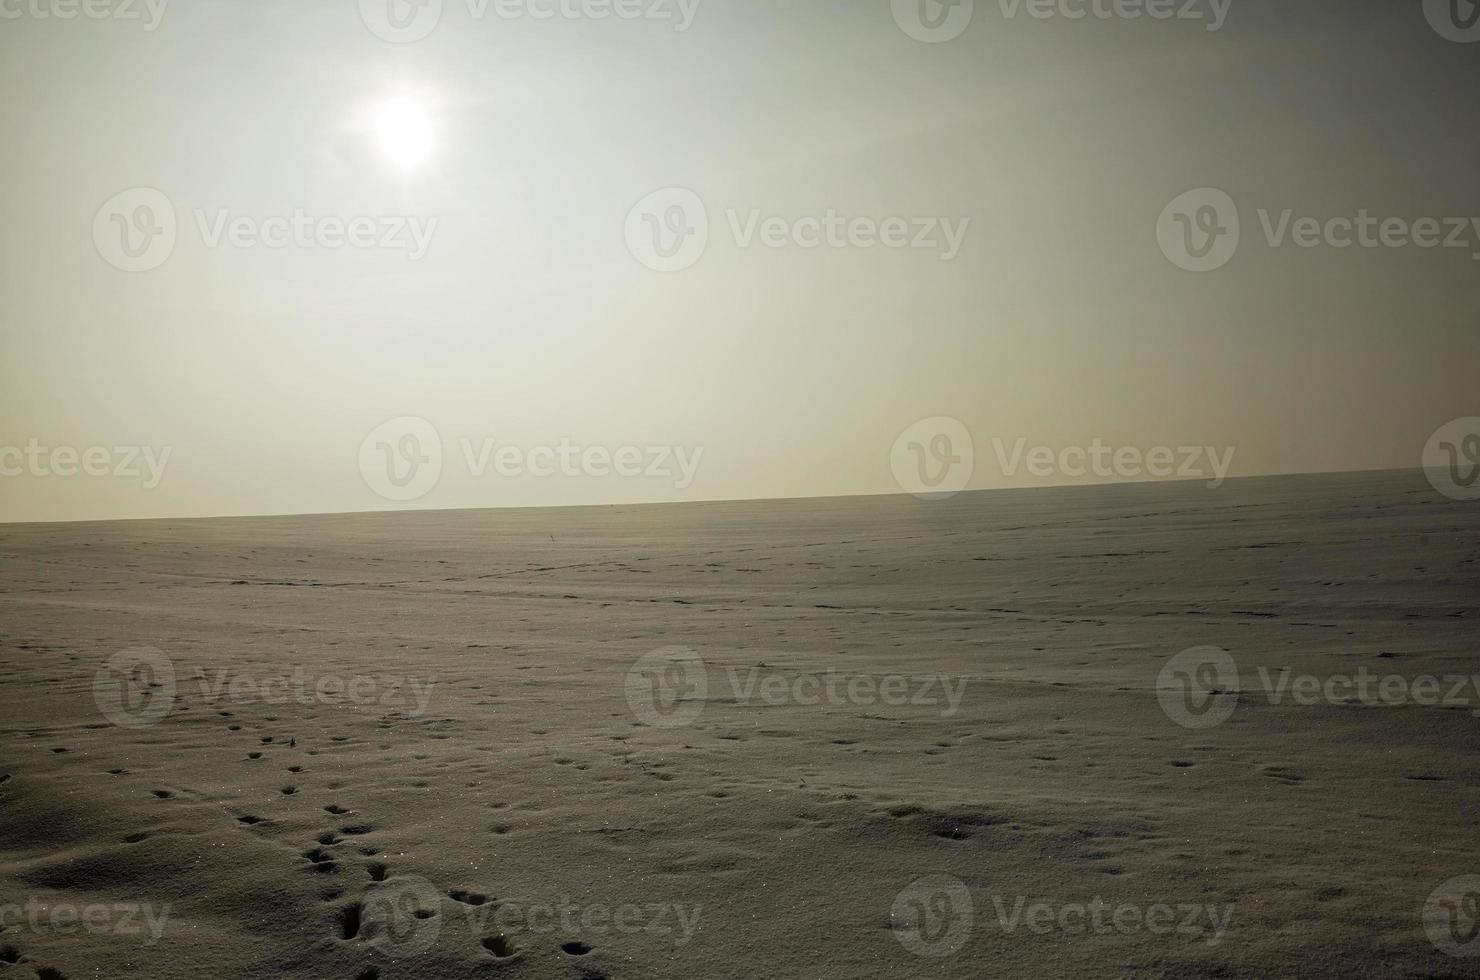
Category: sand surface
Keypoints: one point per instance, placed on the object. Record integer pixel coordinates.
(498, 799)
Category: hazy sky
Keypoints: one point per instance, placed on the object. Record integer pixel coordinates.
(527, 315)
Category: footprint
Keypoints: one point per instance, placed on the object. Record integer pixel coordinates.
(249, 820)
(323, 861)
(377, 871)
(575, 948)
(289, 790)
(9, 954)
(356, 829)
(953, 833)
(500, 947)
(136, 838)
(163, 794)
(335, 809)
(467, 898)
(1283, 773)
(327, 838)
(349, 920)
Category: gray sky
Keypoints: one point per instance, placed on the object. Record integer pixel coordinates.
(527, 314)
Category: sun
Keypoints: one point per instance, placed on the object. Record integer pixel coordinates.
(403, 132)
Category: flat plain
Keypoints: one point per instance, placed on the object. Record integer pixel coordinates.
(838, 738)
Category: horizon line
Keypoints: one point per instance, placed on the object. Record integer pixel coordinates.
(716, 500)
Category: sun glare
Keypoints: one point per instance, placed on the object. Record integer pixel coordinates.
(403, 132)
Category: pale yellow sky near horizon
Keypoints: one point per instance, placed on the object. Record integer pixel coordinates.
(495, 330)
